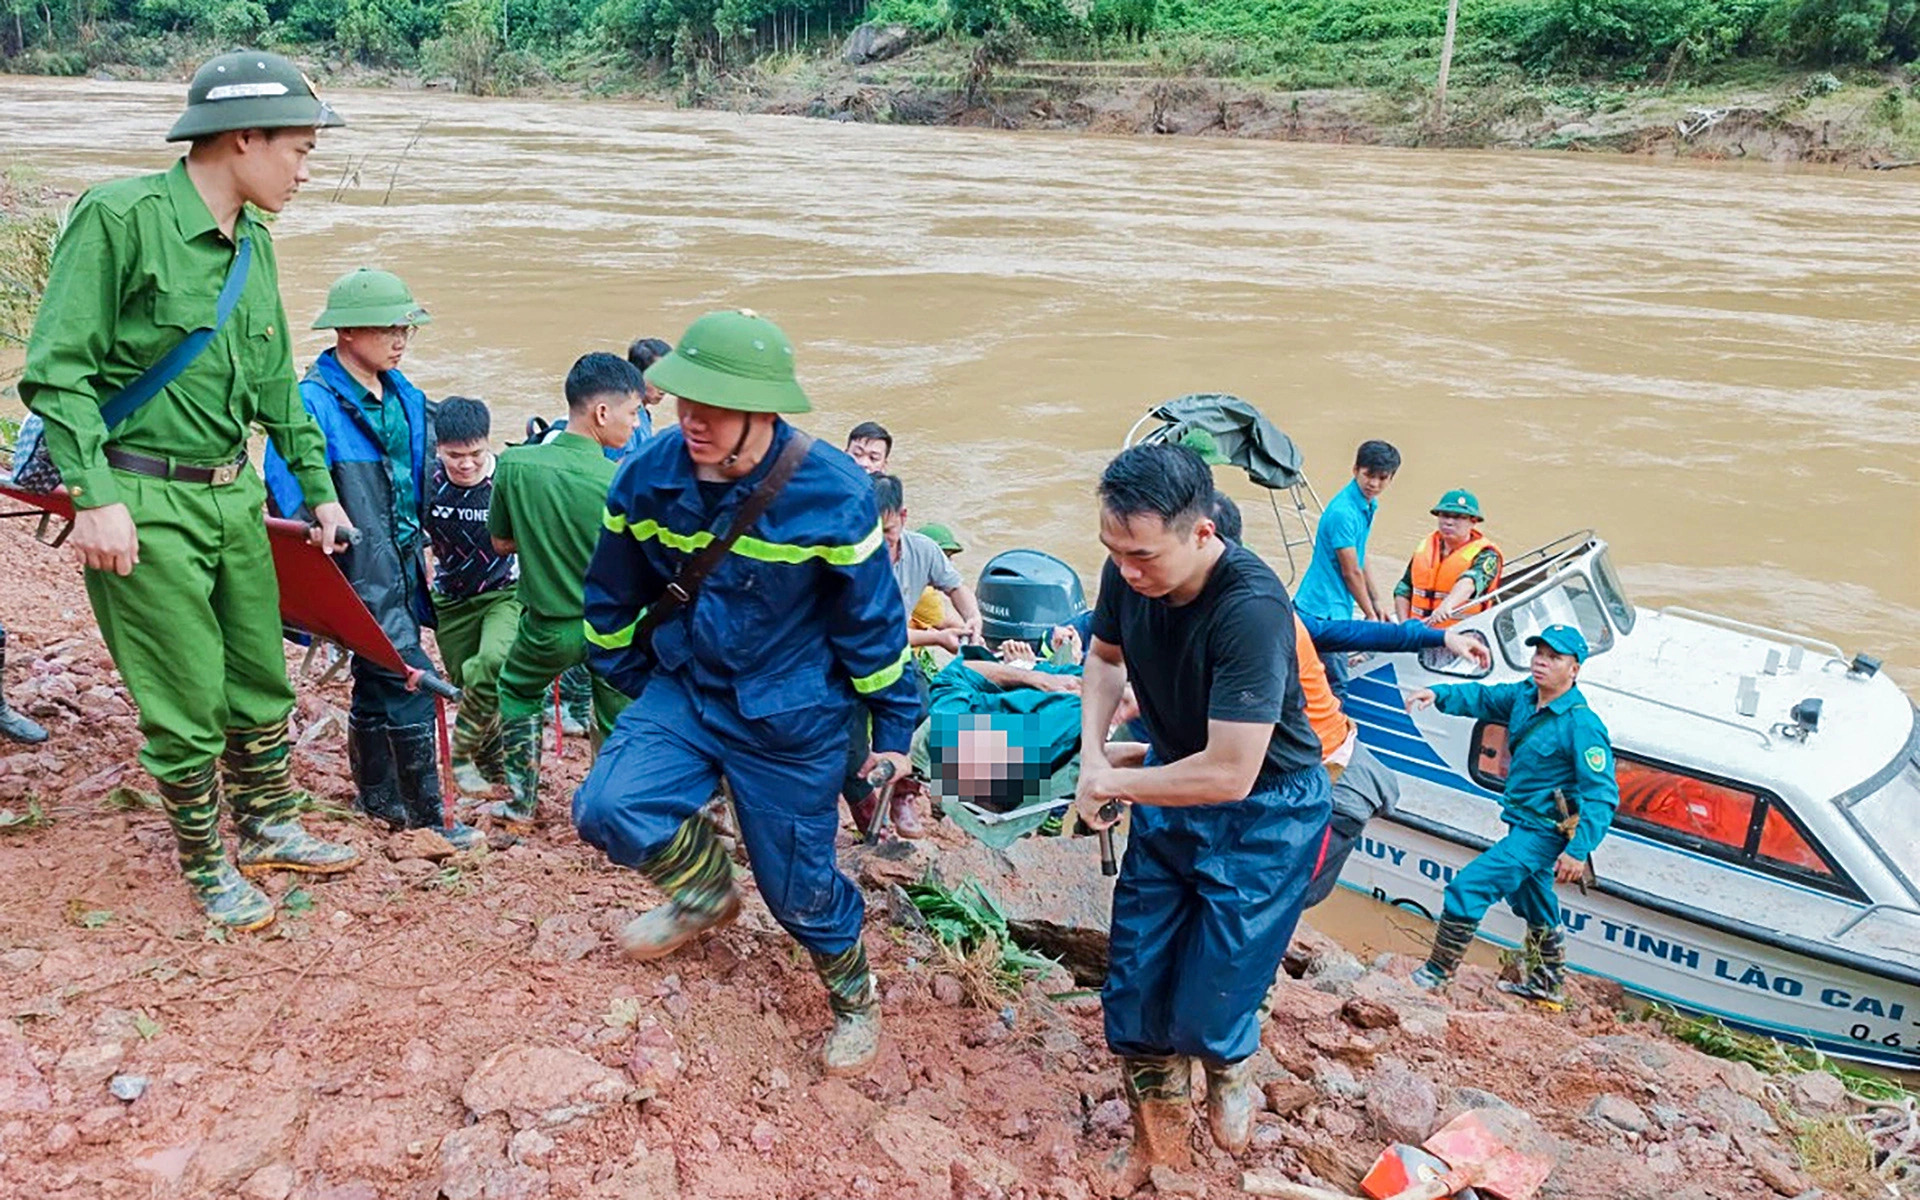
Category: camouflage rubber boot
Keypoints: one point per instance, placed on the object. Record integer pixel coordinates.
(697, 876)
(854, 1039)
(576, 701)
(258, 765)
(520, 754)
(1159, 1093)
(1230, 1105)
(469, 743)
(376, 786)
(489, 756)
(1450, 941)
(193, 809)
(1545, 965)
(417, 768)
(15, 726)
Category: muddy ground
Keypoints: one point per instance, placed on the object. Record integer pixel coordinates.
(464, 1028)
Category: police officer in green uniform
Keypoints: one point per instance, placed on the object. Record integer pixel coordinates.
(1558, 801)
(549, 501)
(167, 506)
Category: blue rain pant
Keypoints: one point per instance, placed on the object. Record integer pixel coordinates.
(659, 767)
(1518, 869)
(1203, 909)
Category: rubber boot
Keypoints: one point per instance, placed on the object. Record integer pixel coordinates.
(697, 876)
(1159, 1093)
(520, 755)
(576, 701)
(469, 745)
(1450, 941)
(376, 785)
(223, 894)
(1230, 1105)
(258, 765)
(14, 726)
(854, 1039)
(417, 769)
(1544, 982)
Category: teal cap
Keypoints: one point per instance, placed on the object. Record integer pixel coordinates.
(1562, 639)
(1458, 503)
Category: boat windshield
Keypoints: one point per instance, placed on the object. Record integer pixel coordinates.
(1607, 580)
(1570, 602)
(1891, 817)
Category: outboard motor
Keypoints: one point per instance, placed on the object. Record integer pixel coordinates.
(1023, 594)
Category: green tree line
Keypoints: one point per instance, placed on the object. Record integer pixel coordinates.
(1620, 38)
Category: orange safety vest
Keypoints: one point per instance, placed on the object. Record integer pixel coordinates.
(1329, 721)
(1435, 575)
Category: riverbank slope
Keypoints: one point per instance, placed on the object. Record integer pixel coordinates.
(434, 1025)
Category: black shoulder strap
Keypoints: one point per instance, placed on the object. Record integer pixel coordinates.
(694, 571)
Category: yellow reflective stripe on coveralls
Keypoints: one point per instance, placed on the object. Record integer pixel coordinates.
(884, 678)
(619, 638)
(749, 547)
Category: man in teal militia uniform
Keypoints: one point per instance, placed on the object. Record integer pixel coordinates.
(168, 509)
(1558, 801)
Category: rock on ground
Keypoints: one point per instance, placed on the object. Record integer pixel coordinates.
(541, 1085)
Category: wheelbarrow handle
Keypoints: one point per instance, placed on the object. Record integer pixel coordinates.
(1253, 1183)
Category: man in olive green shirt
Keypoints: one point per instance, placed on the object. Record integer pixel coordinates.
(549, 502)
(168, 509)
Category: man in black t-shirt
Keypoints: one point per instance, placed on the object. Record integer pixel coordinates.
(1231, 804)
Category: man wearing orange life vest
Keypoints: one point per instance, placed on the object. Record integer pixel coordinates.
(1455, 564)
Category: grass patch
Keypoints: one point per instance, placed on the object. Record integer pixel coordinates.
(975, 943)
(27, 819)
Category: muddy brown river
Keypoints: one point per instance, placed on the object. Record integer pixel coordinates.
(1713, 366)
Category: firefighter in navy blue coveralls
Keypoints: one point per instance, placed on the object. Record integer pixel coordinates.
(1230, 803)
(754, 679)
(1558, 802)
(379, 445)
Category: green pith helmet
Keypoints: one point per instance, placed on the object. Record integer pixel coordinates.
(941, 537)
(733, 359)
(370, 299)
(250, 89)
(1458, 503)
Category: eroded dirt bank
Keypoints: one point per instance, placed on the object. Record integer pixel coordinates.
(430, 1027)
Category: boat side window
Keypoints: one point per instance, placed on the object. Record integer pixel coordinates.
(1614, 596)
(1708, 815)
(1569, 602)
(1718, 817)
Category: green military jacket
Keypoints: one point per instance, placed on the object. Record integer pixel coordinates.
(138, 268)
(550, 501)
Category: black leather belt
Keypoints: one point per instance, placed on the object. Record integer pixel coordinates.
(162, 468)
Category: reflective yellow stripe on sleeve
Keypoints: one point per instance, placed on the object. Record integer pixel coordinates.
(619, 638)
(749, 547)
(884, 678)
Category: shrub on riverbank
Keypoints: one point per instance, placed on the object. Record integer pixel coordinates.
(1318, 42)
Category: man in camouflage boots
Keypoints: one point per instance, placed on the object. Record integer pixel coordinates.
(754, 679)
(160, 341)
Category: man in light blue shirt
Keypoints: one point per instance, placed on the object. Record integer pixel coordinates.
(1336, 580)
